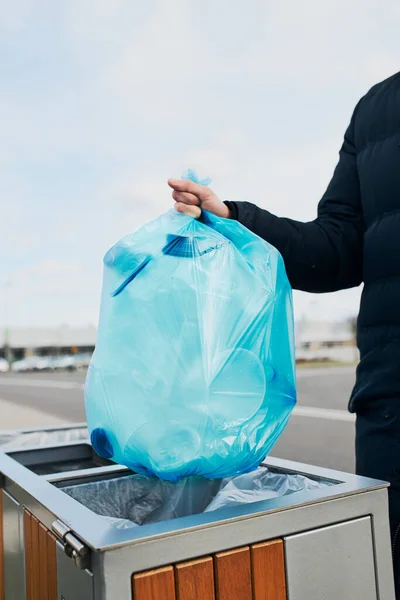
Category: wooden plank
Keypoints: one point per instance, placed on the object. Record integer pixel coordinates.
(154, 585)
(35, 557)
(233, 575)
(28, 555)
(52, 590)
(195, 580)
(268, 571)
(1, 548)
(43, 567)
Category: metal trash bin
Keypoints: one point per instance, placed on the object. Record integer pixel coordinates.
(23, 438)
(330, 543)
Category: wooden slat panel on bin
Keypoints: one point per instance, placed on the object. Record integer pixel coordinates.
(35, 557)
(268, 571)
(195, 580)
(28, 555)
(52, 591)
(233, 575)
(43, 567)
(1, 548)
(154, 585)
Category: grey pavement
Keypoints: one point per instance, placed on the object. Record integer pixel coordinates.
(320, 432)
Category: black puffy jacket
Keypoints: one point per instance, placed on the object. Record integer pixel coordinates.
(355, 238)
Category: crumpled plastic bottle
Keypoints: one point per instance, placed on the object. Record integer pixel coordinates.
(194, 369)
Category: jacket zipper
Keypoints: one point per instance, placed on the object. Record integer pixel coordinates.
(396, 535)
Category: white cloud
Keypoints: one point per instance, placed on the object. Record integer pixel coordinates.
(288, 181)
(255, 95)
(19, 243)
(47, 276)
(156, 75)
(336, 306)
(48, 267)
(325, 42)
(51, 292)
(15, 16)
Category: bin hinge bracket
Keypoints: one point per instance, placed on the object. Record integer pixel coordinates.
(73, 547)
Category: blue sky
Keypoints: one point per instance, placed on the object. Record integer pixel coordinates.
(102, 100)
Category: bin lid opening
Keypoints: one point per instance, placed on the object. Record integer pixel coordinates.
(131, 500)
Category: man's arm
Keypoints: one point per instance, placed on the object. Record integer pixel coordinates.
(324, 255)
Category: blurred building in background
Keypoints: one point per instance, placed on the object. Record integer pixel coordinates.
(25, 343)
(326, 341)
(316, 341)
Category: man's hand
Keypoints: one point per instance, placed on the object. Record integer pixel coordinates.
(190, 198)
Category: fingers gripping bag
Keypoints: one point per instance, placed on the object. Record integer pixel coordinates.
(194, 369)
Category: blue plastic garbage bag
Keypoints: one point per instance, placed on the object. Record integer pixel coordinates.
(194, 370)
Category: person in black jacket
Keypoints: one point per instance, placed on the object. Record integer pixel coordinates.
(355, 238)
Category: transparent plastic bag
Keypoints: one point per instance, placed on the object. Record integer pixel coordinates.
(193, 371)
(134, 500)
(261, 485)
(139, 499)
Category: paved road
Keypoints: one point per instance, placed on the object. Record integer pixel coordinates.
(320, 432)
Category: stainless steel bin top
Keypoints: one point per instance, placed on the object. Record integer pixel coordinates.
(59, 458)
(45, 492)
(23, 438)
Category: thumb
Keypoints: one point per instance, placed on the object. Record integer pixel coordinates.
(184, 185)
